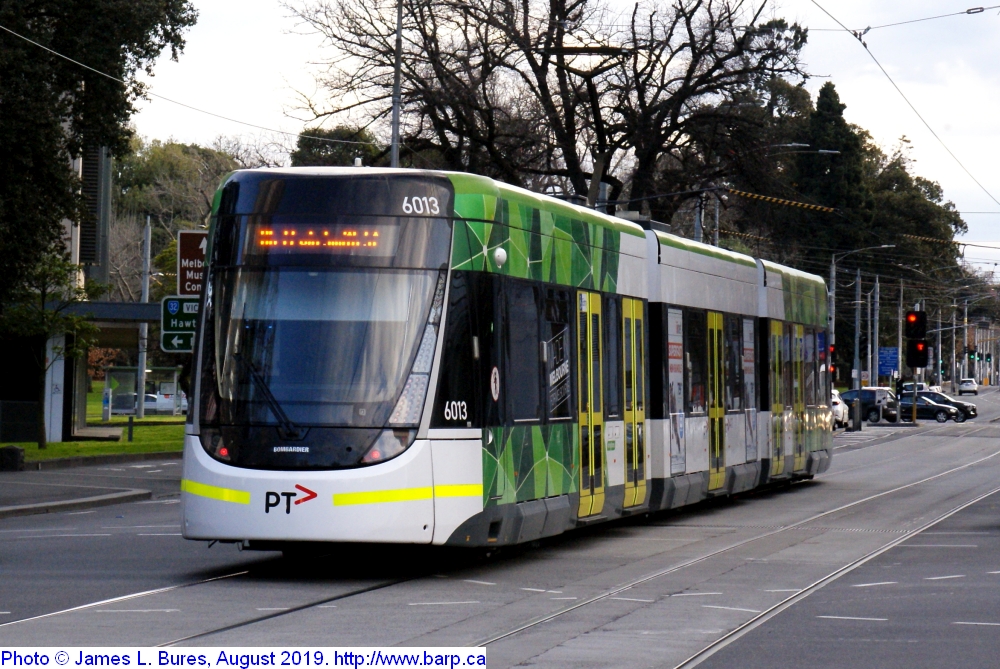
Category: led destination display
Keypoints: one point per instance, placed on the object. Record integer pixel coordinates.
(299, 238)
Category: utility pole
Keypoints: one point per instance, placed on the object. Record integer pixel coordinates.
(857, 350)
(954, 342)
(899, 336)
(140, 394)
(397, 85)
(698, 230)
(875, 330)
(965, 337)
(871, 376)
(938, 356)
(715, 237)
(832, 326)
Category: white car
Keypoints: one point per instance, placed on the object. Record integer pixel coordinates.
(968, 386)
(839, 408)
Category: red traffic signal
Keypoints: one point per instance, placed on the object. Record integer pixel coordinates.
(916, 353)
(916, 324)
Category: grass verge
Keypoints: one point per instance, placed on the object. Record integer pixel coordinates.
(146, 438)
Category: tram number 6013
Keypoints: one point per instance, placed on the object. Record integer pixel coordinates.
(455, 411)
(421, 205)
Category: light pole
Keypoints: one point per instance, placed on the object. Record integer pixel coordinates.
(396, 85)
(856, 373)
(832, 292)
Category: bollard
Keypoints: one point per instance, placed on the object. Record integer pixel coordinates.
(130, 428)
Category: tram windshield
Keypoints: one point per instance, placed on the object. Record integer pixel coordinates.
(317, 348)
(317, 312)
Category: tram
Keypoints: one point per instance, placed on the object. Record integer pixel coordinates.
(427, 357)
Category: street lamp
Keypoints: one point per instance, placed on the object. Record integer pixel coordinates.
(396, 85)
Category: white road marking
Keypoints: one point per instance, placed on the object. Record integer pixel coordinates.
(559, 598)
(58, 536)
(629, 599)
(555, 592)
(853, 618)
(534, 589)
(48, 529)
(697, 594)
(138, 527)
(941, 578)
(137, 611)
(985, 624)
(786, 590)
(993, 572)
(274, 608)
(79, 513)
(439, 603)
(159, 534)
(154, 471)
(469, 580)
(327, 606)
(937, 546)
(868, 585)
(728, 608)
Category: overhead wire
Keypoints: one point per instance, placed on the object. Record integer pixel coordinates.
(184, 104)
(970, 11)
(907, 100)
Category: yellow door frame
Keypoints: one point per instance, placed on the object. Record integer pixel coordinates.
(633, 366)
(590, 381)
(716, 402)
(799, 402)
(777, 398)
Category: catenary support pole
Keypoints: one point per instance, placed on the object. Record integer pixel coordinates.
(698, 219)
(875, 339)
(954, 344)
(397, 85)
(857, 350)
(938, 356)
(715, 233)
(140, 386)
(899, 336)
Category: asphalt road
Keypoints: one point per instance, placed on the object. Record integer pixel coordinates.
(650, 591)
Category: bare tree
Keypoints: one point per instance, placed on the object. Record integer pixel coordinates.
(125, 255)
(566, 92)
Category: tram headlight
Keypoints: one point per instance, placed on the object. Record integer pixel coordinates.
(388, 445)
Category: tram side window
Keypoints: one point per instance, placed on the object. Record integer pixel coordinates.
(523, 350)
(557, 345)
(788, 365)
(613, 356)
(456, 398)
(734, 362)
(823, 375)
(809, 366)
(695, 360)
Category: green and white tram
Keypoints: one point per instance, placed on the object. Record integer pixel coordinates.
(429, 357)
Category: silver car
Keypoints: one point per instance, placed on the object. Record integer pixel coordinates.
(968, 386)
(839, 408)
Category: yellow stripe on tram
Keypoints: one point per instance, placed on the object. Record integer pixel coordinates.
(408, 494)
(214, 492)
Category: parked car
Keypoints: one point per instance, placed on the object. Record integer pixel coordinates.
(908, 387)
(927, 409)
(876, 403)
(839, 408)
(967, 386)
(966, 410)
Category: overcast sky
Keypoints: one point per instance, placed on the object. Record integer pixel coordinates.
(244, 60)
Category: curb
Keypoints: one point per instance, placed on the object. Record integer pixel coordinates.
(110, 459)
(133, 495)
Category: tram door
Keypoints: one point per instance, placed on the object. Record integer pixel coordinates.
(799, 401)
(776, 368)
(633, 366)
(716, 403)
(589, 361)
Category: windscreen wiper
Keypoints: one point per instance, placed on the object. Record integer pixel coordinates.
(290, 429)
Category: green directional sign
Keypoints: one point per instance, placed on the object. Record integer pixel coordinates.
(177, 342)
(178, 322)
(179, 314)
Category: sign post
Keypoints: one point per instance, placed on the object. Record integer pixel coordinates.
(178, 322)
(192, 247)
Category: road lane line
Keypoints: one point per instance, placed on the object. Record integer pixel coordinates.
(534, 589)
(274, 608)
(137, 611)
(853, 618)
(728, 608)
(439, 603)
(630, 599)
(939, 546)
(869, 585)
(696, 594)
(941, 578)
(985, 624)
(469, 580)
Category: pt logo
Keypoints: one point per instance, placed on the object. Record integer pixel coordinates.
(273, 499)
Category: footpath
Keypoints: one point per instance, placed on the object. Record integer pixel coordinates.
(83, 483)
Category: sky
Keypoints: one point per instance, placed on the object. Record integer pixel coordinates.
(249, 60)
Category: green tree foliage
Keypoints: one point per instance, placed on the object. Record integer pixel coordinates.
(39, 310)
(335, 147)
(50, 108)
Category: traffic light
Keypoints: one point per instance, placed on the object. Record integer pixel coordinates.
(972, 355)
(989, 358)
(916, 353)
(916, 324)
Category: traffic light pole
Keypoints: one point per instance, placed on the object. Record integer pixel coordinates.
(938, 356)
(857, 350)
(954, 344)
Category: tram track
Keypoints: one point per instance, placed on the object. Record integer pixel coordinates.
(577, 605)
(617, 590)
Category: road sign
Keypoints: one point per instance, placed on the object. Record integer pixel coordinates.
(179, 314)
(888, 360)
(176, 342)
(192, 246)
